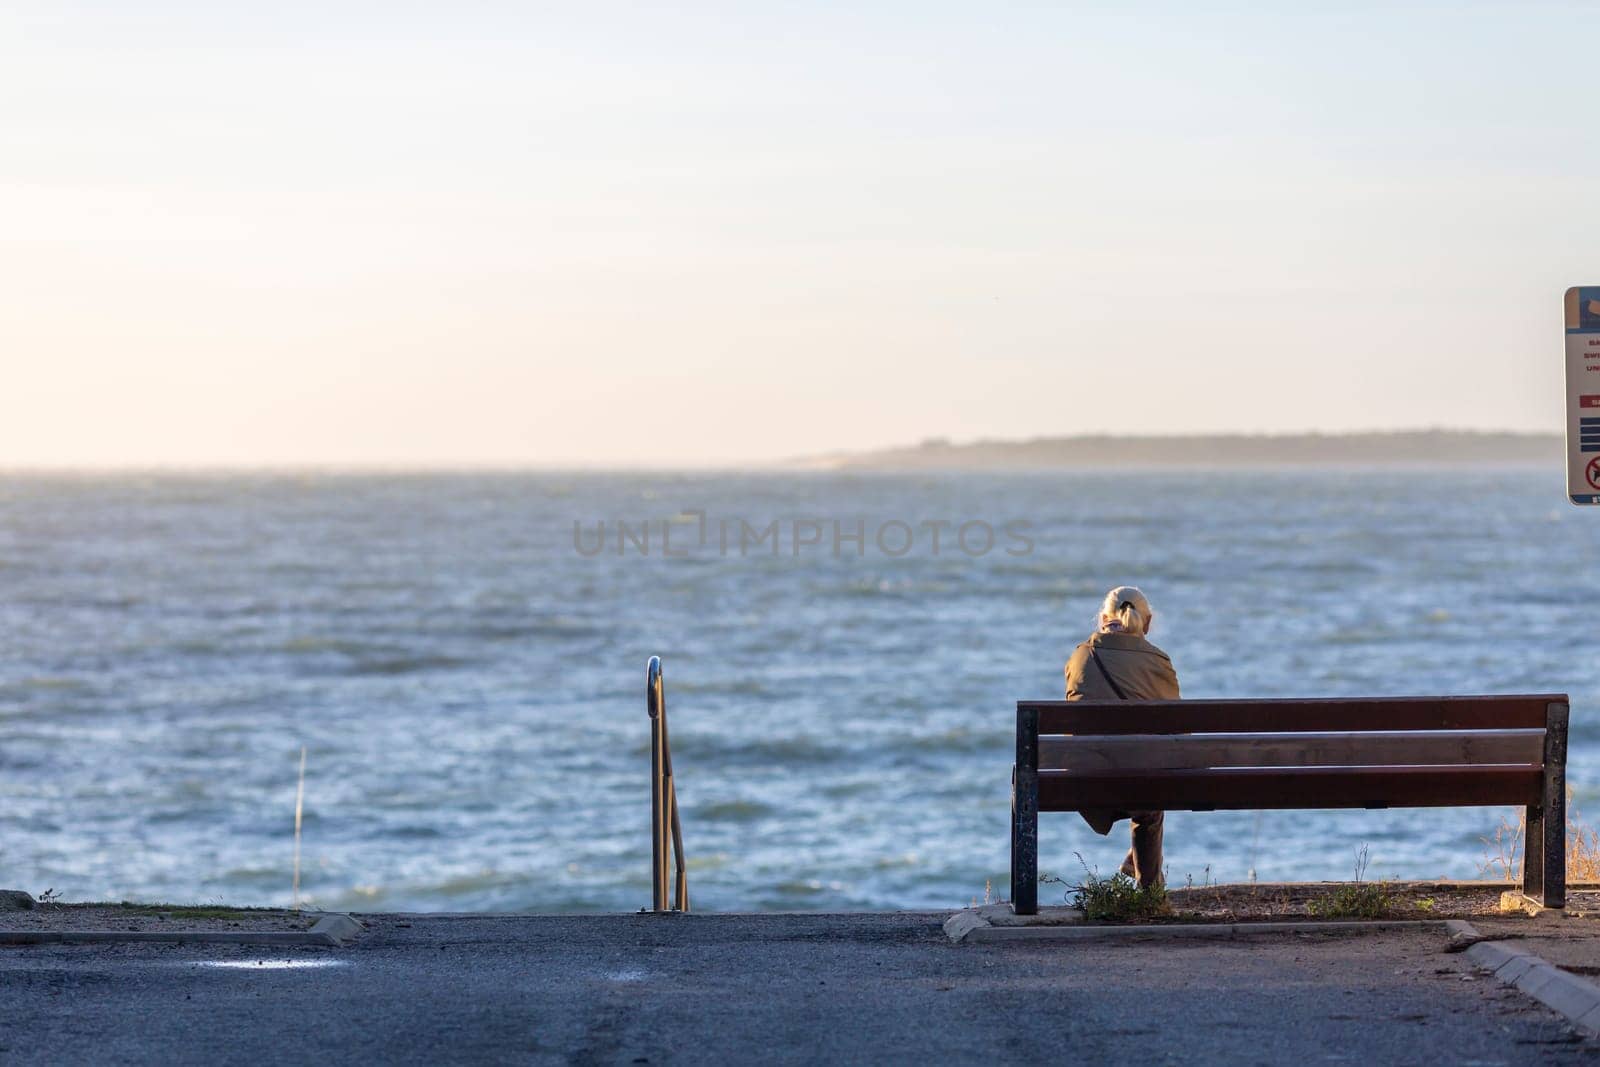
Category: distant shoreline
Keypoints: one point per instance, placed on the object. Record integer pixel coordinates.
(1406, 448)
(1396, 449)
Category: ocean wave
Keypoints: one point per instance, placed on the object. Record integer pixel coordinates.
(900, 588)
(322, 645)
(371, 658)
(780, 751)
(351, 898)
(957, 739)
(46, 682)
(746, 685)
(257, 876)
(733, 811)
(530, 630)
(415, 664)
(807, 887)
(467, 884)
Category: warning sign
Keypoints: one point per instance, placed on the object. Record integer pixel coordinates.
(1583, 394)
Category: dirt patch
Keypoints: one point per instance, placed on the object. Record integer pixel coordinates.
(153, 917)
(1281, 901)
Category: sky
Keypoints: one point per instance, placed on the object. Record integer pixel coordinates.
(406, 234)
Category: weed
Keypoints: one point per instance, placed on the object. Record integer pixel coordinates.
(1426, 903)
(1118, 897)
(1358, 900)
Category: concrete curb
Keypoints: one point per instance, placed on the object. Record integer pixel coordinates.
(332, 929)
(1576, 998)
(968, 927)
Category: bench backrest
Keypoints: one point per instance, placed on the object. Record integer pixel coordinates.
(1204, 755)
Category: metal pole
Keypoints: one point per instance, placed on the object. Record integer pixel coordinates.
(664, 818)
(658, 798)
(669, 824)
(680, 899)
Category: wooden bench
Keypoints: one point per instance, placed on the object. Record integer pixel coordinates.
(1215, 755)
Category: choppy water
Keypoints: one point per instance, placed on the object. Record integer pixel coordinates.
(470, 686)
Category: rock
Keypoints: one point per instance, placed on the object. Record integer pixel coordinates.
(960, 926)
(15, 900)
(962, 923)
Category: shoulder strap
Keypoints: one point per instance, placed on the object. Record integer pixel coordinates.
(1112, 682)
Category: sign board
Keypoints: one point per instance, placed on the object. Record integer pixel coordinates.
(1583, 394)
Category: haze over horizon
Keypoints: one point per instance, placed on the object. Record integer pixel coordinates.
(355, 234)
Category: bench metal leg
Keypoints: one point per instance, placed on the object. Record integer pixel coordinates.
(1024, 842)
(1544, 851)
(1025, 816)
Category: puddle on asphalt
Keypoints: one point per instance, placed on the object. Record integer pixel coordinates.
(271, 965)
(626, 976)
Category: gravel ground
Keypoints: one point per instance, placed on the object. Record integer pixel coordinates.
(722, 989)
(151, 917)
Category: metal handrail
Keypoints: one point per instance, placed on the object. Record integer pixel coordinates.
(663, 798)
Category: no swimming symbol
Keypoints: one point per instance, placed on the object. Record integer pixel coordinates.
(1592, 473)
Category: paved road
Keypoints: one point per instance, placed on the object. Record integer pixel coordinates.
(735, 989)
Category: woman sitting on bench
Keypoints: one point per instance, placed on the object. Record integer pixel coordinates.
(1118, 663)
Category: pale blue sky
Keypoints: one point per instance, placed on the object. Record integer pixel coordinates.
(513, 233)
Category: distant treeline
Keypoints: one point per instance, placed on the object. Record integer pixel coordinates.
(1423, 447)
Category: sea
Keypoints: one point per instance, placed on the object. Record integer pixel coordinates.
(461, 657)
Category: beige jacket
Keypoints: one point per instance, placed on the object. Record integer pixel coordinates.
(1143, 672)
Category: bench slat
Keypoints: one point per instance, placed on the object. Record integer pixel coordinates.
(1285, 716)
(1311, 749)
(1311, 787)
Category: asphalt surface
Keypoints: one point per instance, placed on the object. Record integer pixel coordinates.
(737, 989)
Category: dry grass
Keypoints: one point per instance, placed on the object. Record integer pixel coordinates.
(1583, 851)
(1503, 852)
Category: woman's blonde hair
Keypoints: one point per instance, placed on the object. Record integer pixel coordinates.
(1127, 610)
